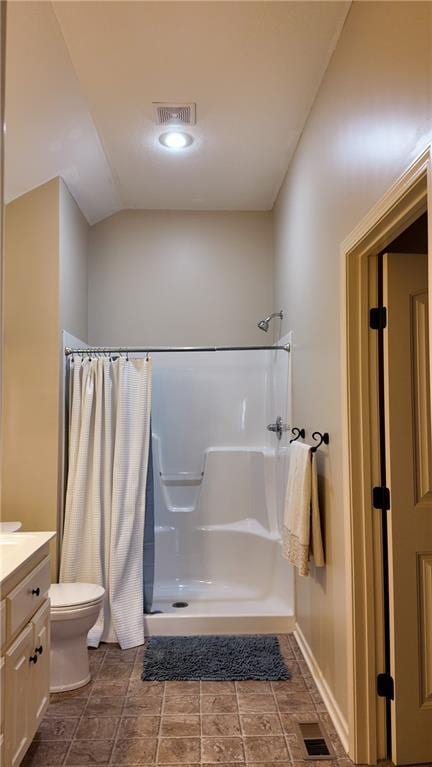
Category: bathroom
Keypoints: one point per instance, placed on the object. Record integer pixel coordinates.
(176, 216)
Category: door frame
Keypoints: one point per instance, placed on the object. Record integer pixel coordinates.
(407, 198)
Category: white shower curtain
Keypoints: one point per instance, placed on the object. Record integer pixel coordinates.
(109, 437)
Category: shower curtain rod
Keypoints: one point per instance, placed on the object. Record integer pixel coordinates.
(156, 349)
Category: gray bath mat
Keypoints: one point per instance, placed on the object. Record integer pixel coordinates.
(214, 658)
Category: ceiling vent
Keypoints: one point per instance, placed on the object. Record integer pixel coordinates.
(174, 114)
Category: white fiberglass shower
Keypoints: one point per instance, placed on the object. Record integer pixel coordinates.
(219, 484)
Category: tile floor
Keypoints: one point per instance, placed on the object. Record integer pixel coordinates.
(117, 719)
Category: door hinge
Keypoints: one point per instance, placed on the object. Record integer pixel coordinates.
(378, 318)
(381, 498)
(385, 686)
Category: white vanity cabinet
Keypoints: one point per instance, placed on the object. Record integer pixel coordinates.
(25, 648)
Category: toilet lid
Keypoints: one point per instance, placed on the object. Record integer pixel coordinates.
(74, 594)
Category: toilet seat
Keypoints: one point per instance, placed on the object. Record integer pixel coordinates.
(74, 596)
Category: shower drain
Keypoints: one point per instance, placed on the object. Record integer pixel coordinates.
(180, 604)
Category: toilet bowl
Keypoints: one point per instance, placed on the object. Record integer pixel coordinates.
(74, 610)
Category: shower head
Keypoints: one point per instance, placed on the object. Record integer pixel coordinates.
(264, 324)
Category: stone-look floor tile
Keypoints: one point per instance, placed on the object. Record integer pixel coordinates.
(321, 762)
(134, 751)
(83, 752)
(275, 764)
(80, 692)
(250, 686)
(186, 704)
(181, 725)
(271, 749)
(294, 701)
(261, 724)
(114, 652)
(218, 704)
(140, 652)
(333, 737)
(294, 669)
(256, 703)
(222, 725)
(57, 728)
(222, 750)
(114, 669)
(182, 688)
(217, 688)
(290, 685)
(285, 646)
(98, 651)
(139, 727)
(137, 670)
(141, 689)
(104, 706)
(67, 707)
(106, 689)
(43, 754)
(94, 666)
(148, 705)
(223, 764)
(290, 720)
(97, 728)
(295, 746)
(178, 750)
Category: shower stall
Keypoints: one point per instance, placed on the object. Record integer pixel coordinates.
(219, 482)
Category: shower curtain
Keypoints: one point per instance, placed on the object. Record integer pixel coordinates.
(109, 438)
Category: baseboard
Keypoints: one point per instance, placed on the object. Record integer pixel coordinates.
(338, 719)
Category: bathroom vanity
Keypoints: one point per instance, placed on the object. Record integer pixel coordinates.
(25, 639)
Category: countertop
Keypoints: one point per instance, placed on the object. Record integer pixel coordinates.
(16, 548)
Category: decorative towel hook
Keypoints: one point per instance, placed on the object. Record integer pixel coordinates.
(297, 433)
(323, 438)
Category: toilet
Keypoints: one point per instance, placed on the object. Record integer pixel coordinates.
(74, 610)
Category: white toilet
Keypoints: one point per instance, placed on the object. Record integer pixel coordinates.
(74, 610)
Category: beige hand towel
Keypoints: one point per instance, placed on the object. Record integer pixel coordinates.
(302, 527)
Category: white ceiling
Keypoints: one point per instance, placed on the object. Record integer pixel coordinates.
(81, 78)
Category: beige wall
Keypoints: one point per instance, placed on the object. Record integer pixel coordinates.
(74, 234)
(31, 359)
(45, 292)
(371, 118)
(180, 278)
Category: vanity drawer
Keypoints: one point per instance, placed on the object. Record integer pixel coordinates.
(28, 596)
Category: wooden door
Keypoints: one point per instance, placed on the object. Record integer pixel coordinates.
(40, 673)
(18, 712)
(409, 477)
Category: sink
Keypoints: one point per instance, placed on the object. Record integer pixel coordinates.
(10, 527)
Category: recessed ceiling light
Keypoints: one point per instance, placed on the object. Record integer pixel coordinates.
(175, 139)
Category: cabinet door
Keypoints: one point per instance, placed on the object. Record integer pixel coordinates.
(40, 671)
(18, 714)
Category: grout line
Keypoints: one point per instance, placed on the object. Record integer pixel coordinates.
(162, 714)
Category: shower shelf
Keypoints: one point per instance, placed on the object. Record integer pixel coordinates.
(182, 477)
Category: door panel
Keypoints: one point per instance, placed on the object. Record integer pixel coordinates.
(409, 468)
(18, 724)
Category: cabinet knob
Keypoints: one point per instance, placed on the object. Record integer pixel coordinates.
(36, 592)
(33, 659)
(39, 650)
